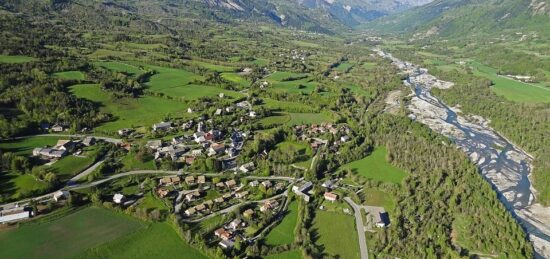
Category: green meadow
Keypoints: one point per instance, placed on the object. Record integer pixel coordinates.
(284, 232)
(308, 118)
(25, 146)
(68, 235)
(376, 167)
(15, 59)
(511, 89)
(129, 112)
(71, 75)
(328, 225)
(120, 67)
(292, 254)
(158, 240)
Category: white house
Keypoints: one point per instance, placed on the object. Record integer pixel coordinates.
(118, 198)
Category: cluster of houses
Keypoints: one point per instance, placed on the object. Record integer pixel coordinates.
(312, 132)
(206, 206)
(202, 142)
(228, 232)
(62, 148)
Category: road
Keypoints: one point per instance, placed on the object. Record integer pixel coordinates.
(360, 228)
(87, 171)
(107, 139)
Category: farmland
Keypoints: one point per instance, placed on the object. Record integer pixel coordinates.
(15, 59)
(376, 167)
(512, 89)
(284, 232)
(83, 229)
(143, 111)
(25, 146)
(327, 225)
(158, 240)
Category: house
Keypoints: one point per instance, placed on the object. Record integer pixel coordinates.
(218, 112)
(118, 198)
(190, 180)
(219, 232)
(199, 137)
(191, 196)
(216, 149)
(381, 219)
(267, 184)
(64, 144)
(162, 126)
(219, 200)
(49, 153)
(279, 186)
(162, 192)
(154, 144)
(232, 152)
(189, 160)
(57, 128)
(88, 141)
(200, 207)
(254, 183)
(269, 205)
(332, 197)
(231, 183)
(201, 179)
(304, 188)
(190, 211)
(226, 244)
(235, 224)
(252, 114)
(169, 180)
(227, 196)
(245, 168)
(60, 195)
(329, 184)
(125, 132)
(178, 140)
(196, 152)
(248, 213)
(220, 185)
(201, 127)
(189, 110)
(345, 138)
(15, 214)
(175, 154)
(221, 95)
(241, 195)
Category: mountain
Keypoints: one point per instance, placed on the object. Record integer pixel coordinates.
(475, 18)
(327, 16)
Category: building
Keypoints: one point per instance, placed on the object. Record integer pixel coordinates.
(58, 128)
(329, 184)
(170, 180)
(15, 214)
(245, 168)
(231, 183)
(269, 205)
(60, 195)
(125, 132)
(267, 184)
(88, 141)
(219, 200)
(241, 195)
(154, 144)
(162, 192)
(201, 179)
(248, 213)
(235, 224)
(332, 197)
(190, 211)
(216, 149)
(65, 144)
(162, 126)
(225, 244)
(381, 219)
(254, 183)
(304, 188)
(190, 180)
(118, 198)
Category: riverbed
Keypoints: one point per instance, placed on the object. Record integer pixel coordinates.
(504, 165)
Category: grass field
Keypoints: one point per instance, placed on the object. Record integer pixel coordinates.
(130, 112)
(284, 232)
(67, 236)
(70, 166)
(159, 240)
(376, 197)
(292, 254)
(285, 106)
(360, 91)
(511, 89)
(213, 67)
(120, 67)
(337, 234)
(236, 78)
(15, 59)
(71, 75)
(376, 167)
(308, 118)
(26, 145)
(343, 67)
(302, 149)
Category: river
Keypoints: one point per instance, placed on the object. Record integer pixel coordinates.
(504, 165)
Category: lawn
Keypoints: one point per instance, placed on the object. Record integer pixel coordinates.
(337, 234)
(302, 149)
(15, 59)
(286, 106)
(213, 67)
(376, 167)
(66, 236)
(130, 112)
(159, 240)
(26, 145)
(71, 75)
(376, 197)
(511, 89)
(120, 67)
(70, 166)
(284, 232)
(236, 78)
(193, 92)
(343, 67)
(368, 65)
(166, 78)
(308, 118)
(16, 186)
(305, 85)
(151, 202)
(131, 163)
(292, 254)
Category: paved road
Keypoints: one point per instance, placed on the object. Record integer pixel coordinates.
(360, 228)
(87, 171)
(107, 139)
